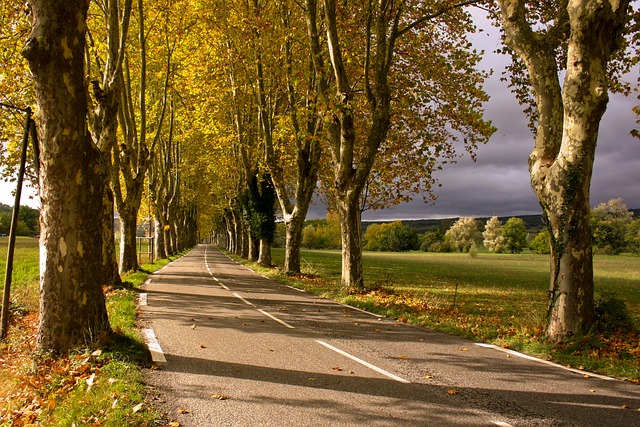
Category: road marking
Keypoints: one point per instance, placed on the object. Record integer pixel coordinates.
(362, 362)
(157, 355)
(143, 299)
(294, 288)
(243, 300)
(546, 362)
(282, 322)
(502, 424)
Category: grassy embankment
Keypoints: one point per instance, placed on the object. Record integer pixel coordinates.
(97, 386)
(494, 298)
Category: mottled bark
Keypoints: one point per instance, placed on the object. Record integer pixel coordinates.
(561, 163)
(265, 253)
(128, 249)
(351, 232)
(293, 242)
(159, 248)
(72, 304)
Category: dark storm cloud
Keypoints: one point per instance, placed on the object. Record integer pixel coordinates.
(498, 183)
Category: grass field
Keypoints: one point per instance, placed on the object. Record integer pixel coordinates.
(496, 298)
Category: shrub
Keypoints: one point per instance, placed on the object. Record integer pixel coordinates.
(541, 243)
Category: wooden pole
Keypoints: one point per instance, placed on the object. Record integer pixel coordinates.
(14, 228)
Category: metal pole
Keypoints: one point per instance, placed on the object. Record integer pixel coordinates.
(14, 229)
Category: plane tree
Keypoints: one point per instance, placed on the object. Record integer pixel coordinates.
(131, 158)
(72, 177)
(387, 71)
(112, 26)
(566, 55)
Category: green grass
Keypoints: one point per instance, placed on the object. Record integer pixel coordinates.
(25, 274)
(495, 298)
(63, 384)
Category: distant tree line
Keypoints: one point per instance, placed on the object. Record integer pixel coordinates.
(28, 223)
(614, 229)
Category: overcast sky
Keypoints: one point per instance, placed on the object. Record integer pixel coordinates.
(498, 182)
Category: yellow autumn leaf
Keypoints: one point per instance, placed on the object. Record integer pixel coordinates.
(219, 396)
(452, 391)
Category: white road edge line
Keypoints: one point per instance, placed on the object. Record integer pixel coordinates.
(362, 362)
(546, 362)
(502, 424)
(282, 322)
(143, 299)
(157, 355)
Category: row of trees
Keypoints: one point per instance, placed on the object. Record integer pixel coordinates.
(28, 224)
(358, 57)
(613, 226)
(98, 75)
(369, 98)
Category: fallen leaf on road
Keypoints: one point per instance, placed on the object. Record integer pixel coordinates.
(283, 308)
(183, 411)
(625, 406)
(193, 326)
(203, 346)
(508, 356)
(581, 368)
(351, 372)
(592, 390)
(404, 356)
(337, 368)
(138, 407)
(174, 424)
(428, 377)
(452, 391)
(312, 379)
(219, 396)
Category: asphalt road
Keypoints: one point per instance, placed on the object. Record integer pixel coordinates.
(235, 349)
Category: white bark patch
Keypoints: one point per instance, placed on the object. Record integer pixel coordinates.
(79, 177)
(80, 249)
(68, 85)
(66, 52)
(43, 262)
(62, 246)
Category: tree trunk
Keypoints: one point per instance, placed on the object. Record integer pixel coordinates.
(255, 248)
(109, 260)
(265, 253)
(72, 181)
(350, 230)
(128, 250)
(293, 243)
(568, 119)
(159, 248)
